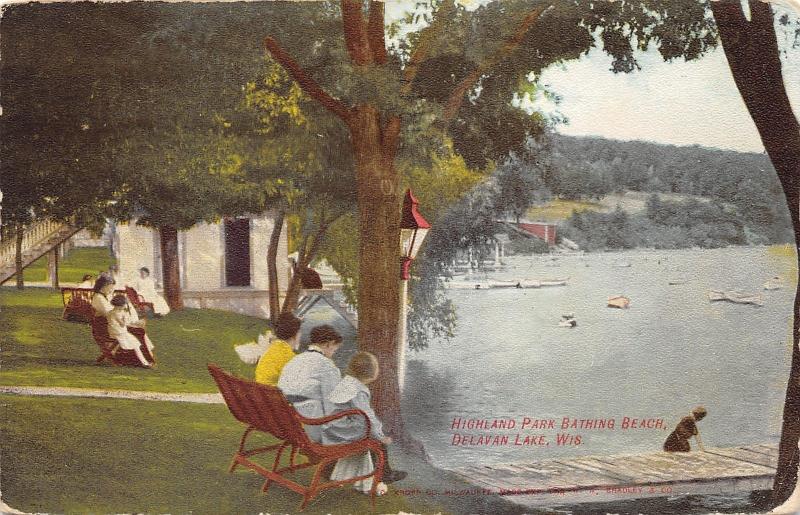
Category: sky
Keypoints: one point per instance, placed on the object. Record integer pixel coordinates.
(680, 103)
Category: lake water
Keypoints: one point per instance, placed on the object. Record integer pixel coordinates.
(672, 350)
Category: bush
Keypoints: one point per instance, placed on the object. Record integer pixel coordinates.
(525, 246)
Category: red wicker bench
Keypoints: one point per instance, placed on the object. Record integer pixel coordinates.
(264, 408)
(138, 301)
(77, 304)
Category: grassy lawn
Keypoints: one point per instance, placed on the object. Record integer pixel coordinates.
(41, 349)
(558, 209)
(71, 455)
(72, 268)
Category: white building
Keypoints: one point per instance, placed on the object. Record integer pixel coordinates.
(223, 265)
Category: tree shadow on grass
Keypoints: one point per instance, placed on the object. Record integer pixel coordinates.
(61, 362)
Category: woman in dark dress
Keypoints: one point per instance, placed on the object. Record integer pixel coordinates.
(678, 440)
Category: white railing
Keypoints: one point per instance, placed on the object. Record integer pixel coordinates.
(34, 235)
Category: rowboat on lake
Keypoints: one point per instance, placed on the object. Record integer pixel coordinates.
(619, 302)
(542, 283)
(568, 320)
(493, 284)
(736, 297)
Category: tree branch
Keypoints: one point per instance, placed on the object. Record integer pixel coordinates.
(423, 45)
(457, 97)
(319, 237)
(308, 84)
(375, 32)
(355, 32)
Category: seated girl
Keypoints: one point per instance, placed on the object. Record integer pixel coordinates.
(352, 393)
(678, 440)
(280, 351)
(119, 324)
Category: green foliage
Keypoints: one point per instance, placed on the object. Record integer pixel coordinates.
(521, 179)
(443, 183)
(439, 190)
(664, 224)
(526, 246)
(340, 250)
(487, 127)
(189, 177)
(591, 167)
(298, 146)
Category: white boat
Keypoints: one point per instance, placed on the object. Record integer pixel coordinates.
(619, 302)
(553, 282)
(568, 321)
(466, 285)
(622, 264)
(776, 283)
(503, 284)
(492, 284)
(736, 297)
(542, 283)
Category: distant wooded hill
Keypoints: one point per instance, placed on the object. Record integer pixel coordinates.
(745, 203)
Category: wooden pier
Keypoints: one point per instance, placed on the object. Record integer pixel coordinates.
(594, 479)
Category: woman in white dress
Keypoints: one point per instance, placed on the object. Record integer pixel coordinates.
(101, 299)
(145, 286)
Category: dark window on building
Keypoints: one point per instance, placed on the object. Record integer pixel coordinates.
(237, 252)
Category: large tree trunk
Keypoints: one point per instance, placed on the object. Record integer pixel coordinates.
(18, 256)
(52, 265)
(378, 260)
(753, 56)
(170, 267)
(272, 268)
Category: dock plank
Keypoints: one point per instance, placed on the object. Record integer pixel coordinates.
(644, 464)
(747, 455)
(620, 468)
(599, 472)
(701, 465)
(587, 479)
(563, 476)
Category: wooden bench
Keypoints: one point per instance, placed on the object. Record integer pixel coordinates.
(77, 304)
(264, 408)
(109, 347)
(138, 302)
